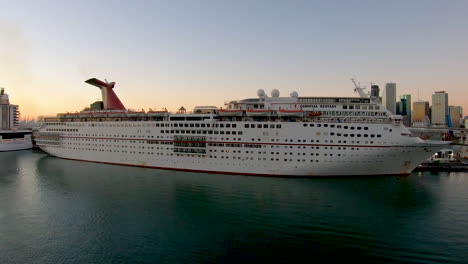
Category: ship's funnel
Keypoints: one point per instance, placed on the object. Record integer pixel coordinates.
(110, 100)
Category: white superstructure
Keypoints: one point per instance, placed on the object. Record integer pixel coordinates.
(284, 136)
(10, 137)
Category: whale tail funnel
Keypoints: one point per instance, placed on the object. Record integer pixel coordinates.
(110, 100)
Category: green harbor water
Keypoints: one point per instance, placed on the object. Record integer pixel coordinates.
(61, 211)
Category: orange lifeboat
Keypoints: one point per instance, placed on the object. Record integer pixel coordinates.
(315, 114)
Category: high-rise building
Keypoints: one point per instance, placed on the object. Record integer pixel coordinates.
(8, 113)
(421, 112)
(407, 106)
(399, 108)
(389, 97)
(456, 114)
(440, 109)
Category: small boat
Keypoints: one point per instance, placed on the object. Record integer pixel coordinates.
(261, 112)
(234, 112)
(286, 112)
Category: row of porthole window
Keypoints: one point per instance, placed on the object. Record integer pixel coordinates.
(333, 126)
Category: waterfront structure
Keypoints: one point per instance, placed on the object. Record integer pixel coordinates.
(440, 109)
(11, 138)
(389, 97)
(456, 114)
(267, 135)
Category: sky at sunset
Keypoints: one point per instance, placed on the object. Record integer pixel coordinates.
(197, 52)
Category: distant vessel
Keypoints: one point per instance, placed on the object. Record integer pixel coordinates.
(10, 137)
(267, 135)
(444, 160)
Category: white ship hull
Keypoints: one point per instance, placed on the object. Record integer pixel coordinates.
(15, 144)
(275, 149)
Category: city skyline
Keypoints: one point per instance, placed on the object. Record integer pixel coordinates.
(182, 53)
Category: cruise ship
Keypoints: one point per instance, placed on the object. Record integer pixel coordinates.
(266, 135)
(11, 138)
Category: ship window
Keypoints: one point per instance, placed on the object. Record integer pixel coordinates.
(372, 135)
(319, 125)
(239, 133)
(338, 126)
(246, 126)
(345, 107)
(358, 128)
(352, 128)
(203, 125)
(305, 125)
(325, 125)
(366, 128)
(191, 125)
(379, 136)
(259, 126)
(228, 125)
(278, 126)
(311, 125)
(265, 126)
(221, 125)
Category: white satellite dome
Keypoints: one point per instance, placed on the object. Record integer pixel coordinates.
(294, 94)
(275, 93)
(260, 93)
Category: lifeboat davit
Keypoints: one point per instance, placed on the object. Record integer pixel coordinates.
(234, 112)
(260, 112)
(286, 112)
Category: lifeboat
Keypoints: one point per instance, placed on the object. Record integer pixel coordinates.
(99, 114)
(116, 113)
(260, 112)
(226, 112)
(152, 113)
(285, 112)
(85, 114)
(135, 114)
(69, 115)
(315, 114)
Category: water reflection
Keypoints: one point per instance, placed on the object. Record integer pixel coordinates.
(96, 213)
